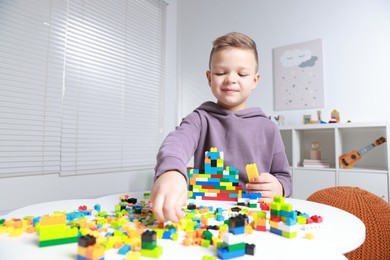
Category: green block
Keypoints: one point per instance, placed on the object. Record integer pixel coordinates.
(301, 220)
(175, 237)
(287, 207)
(207, 235)
(288, 234)
(146, 195)
(275, 206)
(59, 231)
(60, 241)
(209, 257)
(205, 243)
(148, 245)
(261, 214)
(154, 253)
(276, 212)
(159, 232)
(279, 199)
(236, 247)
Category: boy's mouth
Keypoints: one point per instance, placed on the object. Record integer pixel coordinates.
(230, 90)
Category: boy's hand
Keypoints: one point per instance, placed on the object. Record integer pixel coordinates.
(267, 184)
(168, 195)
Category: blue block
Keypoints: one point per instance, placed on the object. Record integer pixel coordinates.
(36, 220)
(275, 231)
(207, 183)
(237, 230)
(219, 218)
(224, 254)
(214, 155)
(79, 257)
(167, 234)
(194, 194)
(291, 221)
(293, 215)
(124, 249)
(233, 195)
(218, 210)
(97, 207)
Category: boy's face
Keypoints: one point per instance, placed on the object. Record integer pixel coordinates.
(232, 77)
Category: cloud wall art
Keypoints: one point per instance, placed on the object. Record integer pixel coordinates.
(298, 76)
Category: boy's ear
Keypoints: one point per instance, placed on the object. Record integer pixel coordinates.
(256, 80)
(208, 75)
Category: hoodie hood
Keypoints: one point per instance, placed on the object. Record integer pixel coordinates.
(214, 108)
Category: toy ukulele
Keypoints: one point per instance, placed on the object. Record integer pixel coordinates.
(348, 160)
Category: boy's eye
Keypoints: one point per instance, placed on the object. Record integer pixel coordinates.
(220, 73)
(242, 74)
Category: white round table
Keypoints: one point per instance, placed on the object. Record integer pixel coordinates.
(341, 232)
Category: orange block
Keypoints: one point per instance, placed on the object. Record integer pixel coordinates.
(187, 242)
(52, 220)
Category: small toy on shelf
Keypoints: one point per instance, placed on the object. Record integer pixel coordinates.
(334, 116)
(280, 119)
(319, 120)
(307, 119)
(315, 153)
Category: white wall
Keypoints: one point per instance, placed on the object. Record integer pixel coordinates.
(355, 36)
(22, 191)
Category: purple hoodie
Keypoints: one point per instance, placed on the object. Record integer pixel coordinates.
(246, 136)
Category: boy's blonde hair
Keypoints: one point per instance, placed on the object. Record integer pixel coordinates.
(234, 40)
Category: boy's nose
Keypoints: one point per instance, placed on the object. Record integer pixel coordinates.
(230, 78)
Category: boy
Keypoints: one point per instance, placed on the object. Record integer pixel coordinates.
(245, 135)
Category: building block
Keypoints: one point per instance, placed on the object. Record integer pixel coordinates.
(251, 171)
(215, 183)
(133, 255)
(154, 253)
(53, 230)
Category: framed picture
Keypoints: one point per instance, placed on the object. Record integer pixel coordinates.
(298, 76)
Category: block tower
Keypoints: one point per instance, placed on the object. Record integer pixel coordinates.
(88, 249)
(149, 247)
(215, 183)
(234, 241)
(283, 220)
(54, 230)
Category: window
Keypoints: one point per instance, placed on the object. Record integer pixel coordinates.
(80, 85)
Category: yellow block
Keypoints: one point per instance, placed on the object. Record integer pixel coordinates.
(16, 232)
(251, 171)
(132, 255)
(227, 184)
(274, 224)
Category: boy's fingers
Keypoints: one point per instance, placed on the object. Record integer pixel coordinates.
(181, 202)
(157, 202)
(263, 177)
(173, 205)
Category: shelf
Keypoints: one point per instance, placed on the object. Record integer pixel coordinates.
(365, 170)
(315, 168)
(370, 172)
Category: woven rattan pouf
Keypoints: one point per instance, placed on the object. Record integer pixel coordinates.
(372, 210)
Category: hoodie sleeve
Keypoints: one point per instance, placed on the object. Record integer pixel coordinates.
(178, 147)
(280, 167)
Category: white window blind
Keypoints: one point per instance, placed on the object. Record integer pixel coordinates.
(80, 85)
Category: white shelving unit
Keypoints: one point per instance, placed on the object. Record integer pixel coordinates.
(370, 173)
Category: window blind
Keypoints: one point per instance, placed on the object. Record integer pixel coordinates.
(81, 85)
